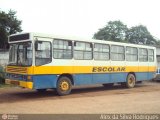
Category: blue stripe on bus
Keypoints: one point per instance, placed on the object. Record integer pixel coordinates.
(44, 81)
(144, 76)
(81, 79)
(49, 81)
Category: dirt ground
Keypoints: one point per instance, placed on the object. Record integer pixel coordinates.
(144, 98)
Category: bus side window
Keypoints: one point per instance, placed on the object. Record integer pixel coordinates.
(82, 51)
(43, 53)
(150, 55)
(117, 53)
(143, 55)
(101, 51)
(131, 54)
(62, 49)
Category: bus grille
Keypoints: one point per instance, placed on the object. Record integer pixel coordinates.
(18, 70)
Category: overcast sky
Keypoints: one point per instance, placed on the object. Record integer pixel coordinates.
(82, 18)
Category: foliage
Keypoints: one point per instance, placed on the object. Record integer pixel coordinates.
(2, 80)
(9, 24)
(158, 42)
(117, 31)
(140, 35)
(113, 31)
(2, 75)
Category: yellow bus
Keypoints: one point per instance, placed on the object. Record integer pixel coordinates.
(41, 62)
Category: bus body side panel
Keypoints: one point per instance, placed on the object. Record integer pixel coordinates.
(88, 79)
(82, 79)
(102, 78)
(109, 77)
(99, 78)
(118, 77)
(151, 75)
(140, 76)
(44, 81)
(49, 81)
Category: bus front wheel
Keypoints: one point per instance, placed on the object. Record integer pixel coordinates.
(131, 81)
(64, 86)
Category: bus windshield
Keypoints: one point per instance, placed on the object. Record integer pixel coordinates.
(20, 54)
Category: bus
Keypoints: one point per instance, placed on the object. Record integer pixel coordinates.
(41, 61)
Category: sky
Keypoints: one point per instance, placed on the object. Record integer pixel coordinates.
(82, 18)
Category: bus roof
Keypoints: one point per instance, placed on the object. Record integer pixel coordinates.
(43, 35)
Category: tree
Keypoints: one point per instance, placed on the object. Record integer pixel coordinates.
(140, 35)
(9, 24)
(113, 31)
(158, 42)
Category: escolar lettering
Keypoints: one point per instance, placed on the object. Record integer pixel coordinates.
(108, 69)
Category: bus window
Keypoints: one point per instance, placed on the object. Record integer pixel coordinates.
(131, 54)
(82, 51)
(151, 55)
(143, 57)
(13, 54)
(21, 54)
(101, 52)
(117, 53)
(24, 54)
(43, 53)
(62, 49)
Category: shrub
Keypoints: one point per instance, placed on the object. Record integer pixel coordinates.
(2, 75)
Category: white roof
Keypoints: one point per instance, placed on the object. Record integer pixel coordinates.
(43, 35)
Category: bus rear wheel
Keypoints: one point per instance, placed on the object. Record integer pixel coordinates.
(64, 86)
(131, 81)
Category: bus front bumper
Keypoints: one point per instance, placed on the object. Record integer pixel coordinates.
(19, 83)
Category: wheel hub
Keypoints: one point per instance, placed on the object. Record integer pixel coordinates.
(131, 81)
(64, 86)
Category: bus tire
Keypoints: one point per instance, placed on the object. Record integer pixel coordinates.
(108, 85)
(64, 86)
(131, 81)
